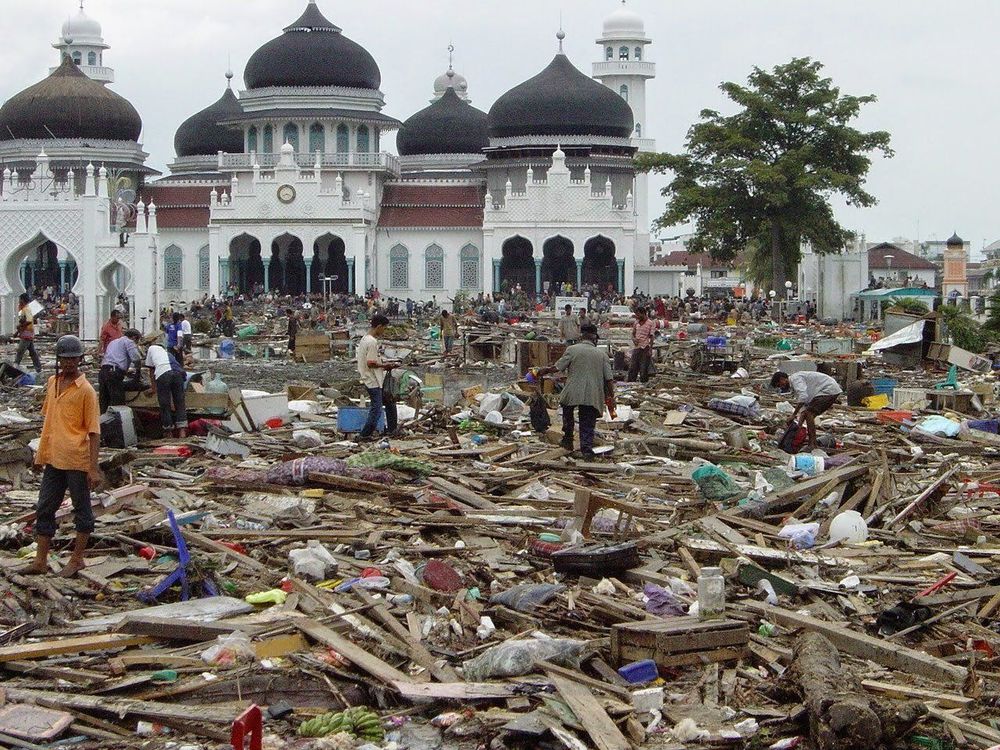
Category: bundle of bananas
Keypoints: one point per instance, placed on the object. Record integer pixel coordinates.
(359, 721)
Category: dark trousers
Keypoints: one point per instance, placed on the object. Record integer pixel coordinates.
(55, 482)
(449, 342)
(640, 365)
(170, 396)
(28, 345)
(588, 421)
(375, 409)
(111, 387)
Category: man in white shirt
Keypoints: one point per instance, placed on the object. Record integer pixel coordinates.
(374, 374)
(814, 393)
(169, 380)
(184, 335)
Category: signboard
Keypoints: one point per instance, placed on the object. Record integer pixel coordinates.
(575, 302)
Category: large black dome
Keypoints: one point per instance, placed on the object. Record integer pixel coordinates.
(68, 104)
(449, 126)
(312, 52)
(201, 134)
(560, 101)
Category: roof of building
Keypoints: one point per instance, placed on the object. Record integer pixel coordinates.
(181, 206)
(202, 135)
(321, 114)
(900, 259)
(624, 22)
(312, 52)
(68, 104)
(560, 101)
(82, 29)
(448, 80)
(448, 126)
(432, 206)
(690, 260)
(955, 240)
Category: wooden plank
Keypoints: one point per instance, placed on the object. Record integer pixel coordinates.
(176, 629)
(892, 655)
(246, 561)
(461, 494)
(959, 596)
(355, 654)
(948, 700)
(80, 644)
(686, 659)
(591, 714)
(459, 691)
(713, 524)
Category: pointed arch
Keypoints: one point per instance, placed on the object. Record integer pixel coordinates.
(471, 275)
(399, 267)
(317, 138)
(204, 268)
(173, 268)
(518, 264)
(558, 265)
(434, 267)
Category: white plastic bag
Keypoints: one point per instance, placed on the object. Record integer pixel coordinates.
(314, 562)
(229, 649)
(307, 439)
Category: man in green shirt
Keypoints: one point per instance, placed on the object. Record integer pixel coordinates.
(589, 386)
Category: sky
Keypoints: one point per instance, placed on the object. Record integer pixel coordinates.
(931, 64)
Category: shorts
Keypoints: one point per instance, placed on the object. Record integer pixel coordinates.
(821, 404)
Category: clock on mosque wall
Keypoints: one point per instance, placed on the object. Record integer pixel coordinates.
(286, 193)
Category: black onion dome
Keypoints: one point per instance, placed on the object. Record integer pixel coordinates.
(560, 101)
(312, 52)
(201, 134)
(448, 126)
(68, 104)
(955, 240)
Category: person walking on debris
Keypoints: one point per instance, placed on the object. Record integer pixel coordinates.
(173, 330)
(168, 376)
(68, 451)
(589, 386)
(120, 356)
(643, 330)
(184, 336)
(376, 376)
(293, 329)
(26, 334)
(110, 331)
(449, 330)
(814, 394)
(569, 327)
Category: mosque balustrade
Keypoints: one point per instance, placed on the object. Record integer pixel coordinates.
(305, 160)
(625, 68)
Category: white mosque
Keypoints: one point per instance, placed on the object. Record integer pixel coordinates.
(286, 185)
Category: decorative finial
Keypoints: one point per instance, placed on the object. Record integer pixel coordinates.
(451, 56)
(81, 4)
(560, 36)
(229, 70)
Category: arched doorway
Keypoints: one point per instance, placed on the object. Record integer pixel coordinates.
(558, 266)
(116, 280)
(329, 259)
(600, 266)
(246, 270)
(517, 265)
(288, 267)
(32, 268)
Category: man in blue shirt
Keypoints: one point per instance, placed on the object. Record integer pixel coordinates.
(173, 330)
(120, 356)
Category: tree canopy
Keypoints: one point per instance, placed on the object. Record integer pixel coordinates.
(758, 182)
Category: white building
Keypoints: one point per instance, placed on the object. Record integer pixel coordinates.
(829, 280)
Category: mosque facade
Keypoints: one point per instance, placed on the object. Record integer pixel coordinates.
(286, 186)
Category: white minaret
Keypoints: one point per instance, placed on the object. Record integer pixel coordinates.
(624, 68)
(82, 40)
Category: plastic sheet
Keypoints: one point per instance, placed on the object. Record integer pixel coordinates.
(715, 484)
(526, 596)
(516, 658)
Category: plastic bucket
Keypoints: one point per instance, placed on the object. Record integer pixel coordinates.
(807, 464)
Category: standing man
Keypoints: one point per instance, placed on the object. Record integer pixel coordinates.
(374, 371)
(26, 333)
(293, 330)
(643, 331)
(228, 324)
(589, 386)
(184, 337)
(69, 450)
(814, 394)
(569, 327)
(173, 330)
(449, 330)
(110, 331)
(169, 388)
(121, 355)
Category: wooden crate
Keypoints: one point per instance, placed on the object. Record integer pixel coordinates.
(312, 347)
(679, 641)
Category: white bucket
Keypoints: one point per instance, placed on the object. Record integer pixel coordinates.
(807, 464)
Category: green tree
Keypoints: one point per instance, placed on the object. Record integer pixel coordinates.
(760, 181)
(992, 323)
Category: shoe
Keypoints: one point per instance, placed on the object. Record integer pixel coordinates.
(566, 444)
(588, 454)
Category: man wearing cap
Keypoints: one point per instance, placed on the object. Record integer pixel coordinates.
(68, 451)
(589, 385)
(121, 355)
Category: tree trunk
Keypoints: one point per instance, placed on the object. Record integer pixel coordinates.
(841, 715)
(777, 260)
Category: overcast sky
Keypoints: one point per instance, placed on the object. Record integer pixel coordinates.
(932, 65)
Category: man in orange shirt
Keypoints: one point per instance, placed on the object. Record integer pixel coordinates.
(111, 330)
(68, 450)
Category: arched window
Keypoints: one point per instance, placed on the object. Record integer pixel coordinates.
(611, 53)
(364, 142)
(204, 272)
(434, 267)
(290, 134)
(638, 130)
(268, 139)
(252, 139)
(638, 53)
(623, 53)
(343, 139)
(470, 277)
(77, 58)
(173, 268)
(624, 92)
(399, 268)
(91, 58)
(317, 138)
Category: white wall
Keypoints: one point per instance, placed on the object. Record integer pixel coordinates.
(190, 241)
(417, 241)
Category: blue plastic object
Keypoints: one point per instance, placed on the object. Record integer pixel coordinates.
(352, 419)
(884, 385)
(639, 672)
(25, 380)
(180, 572)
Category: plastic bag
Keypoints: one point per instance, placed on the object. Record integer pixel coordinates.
(715, 484)
(660, 601)
(516, 658)
(307, 439)
(802, 535)
(526, 596)
(540, 420)
(229, 649)
(314, 562)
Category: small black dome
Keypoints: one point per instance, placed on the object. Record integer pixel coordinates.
(312, 52)
(560, 101)
(449, 126)
(955, 240)
(201, 134)
(68, 104)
